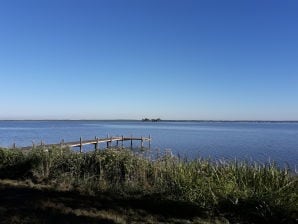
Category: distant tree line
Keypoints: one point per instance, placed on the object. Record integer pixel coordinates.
(153, 120)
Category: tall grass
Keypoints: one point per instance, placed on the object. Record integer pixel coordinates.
(224, 186)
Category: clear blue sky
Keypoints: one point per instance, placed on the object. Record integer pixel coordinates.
(200, 59)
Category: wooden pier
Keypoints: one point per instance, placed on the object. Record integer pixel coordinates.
(96, 142)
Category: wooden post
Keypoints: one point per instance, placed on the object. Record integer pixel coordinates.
(122, 142)
(131, 142)
(80, 144)
(142, 142)
(117, 143)
(96, 144)
(108, 145)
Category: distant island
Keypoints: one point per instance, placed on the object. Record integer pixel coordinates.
(152, 120)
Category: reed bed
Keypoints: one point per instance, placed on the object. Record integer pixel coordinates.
(258, 192)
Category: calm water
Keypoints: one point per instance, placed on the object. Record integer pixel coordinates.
(243, 140)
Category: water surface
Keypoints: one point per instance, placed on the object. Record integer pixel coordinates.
(259, 141)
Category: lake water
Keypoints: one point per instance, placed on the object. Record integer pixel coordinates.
(258, 141)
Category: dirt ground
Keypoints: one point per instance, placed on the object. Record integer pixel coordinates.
(22, 202)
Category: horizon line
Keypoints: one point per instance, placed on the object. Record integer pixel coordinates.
(162, 120)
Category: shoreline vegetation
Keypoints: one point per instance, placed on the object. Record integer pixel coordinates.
(46, 185)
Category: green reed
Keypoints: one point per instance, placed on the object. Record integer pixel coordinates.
(263, 189)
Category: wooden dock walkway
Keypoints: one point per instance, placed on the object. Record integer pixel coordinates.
(96, 142)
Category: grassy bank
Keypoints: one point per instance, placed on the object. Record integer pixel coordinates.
(227, 192)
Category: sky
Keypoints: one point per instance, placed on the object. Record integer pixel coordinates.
(192, 60)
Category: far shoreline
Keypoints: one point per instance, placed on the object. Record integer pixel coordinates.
(170, 120)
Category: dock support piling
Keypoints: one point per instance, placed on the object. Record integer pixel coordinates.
(122, 142)
(131, 142)
(96, 144)
(108, 144)
(80, 144)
